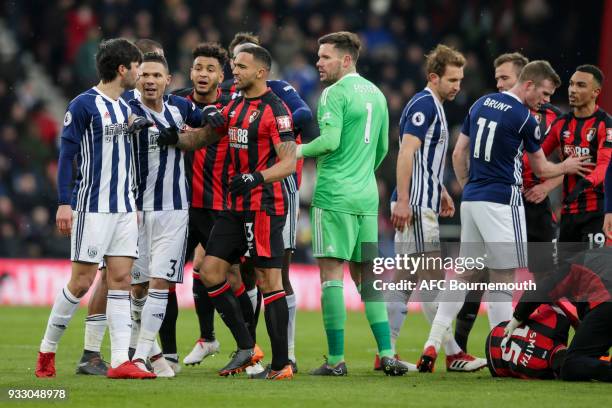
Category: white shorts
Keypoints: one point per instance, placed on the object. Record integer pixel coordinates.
(420, 237)
(96, 235)
(497, 230)
(162, 242)
(290, 229)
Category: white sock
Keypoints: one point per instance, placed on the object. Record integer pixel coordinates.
(152, 317)
(64, 307)
(136, 313)
(119, 325)
(429, 303)
(499, 307)
(155, 349)
(253, 297)
(448, 308)
(397, 309)
(95, 327)
(292, 305)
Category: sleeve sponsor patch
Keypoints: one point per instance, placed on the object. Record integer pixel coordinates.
(67, 118)
(284, 123)
(418, 118)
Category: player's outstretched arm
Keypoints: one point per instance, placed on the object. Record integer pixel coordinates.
(460, 159)
(189, 140)
(572, 165)
(401, 215)
(327, 142)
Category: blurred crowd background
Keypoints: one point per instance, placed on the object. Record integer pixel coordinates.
(52, 43)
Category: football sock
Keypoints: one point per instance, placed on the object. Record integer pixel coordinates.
(119, 325)
(150, 322)
(334, 319)
(95, 327)
(499, 307)
(376, 313)
(292, 305)
(204, 309)
(449, 305)
(137, 305)
(258, 303)
(397, 309)
(467, 317)
(155, 349)
(228, 308)
(254, 296)
(248, 314)
(277, 318)
(167, 331)
(64, 307)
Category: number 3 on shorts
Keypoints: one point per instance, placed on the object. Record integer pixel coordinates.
(249, 231)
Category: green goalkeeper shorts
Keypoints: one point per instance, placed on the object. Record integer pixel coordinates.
(341, 235)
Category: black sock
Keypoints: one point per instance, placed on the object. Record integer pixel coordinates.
(204, 309)
(277, 318)
(167, 331)
(228, 308)
(467, 317)
(257, 309)
(247, 311)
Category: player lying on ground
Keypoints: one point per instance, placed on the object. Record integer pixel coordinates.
(585, 279)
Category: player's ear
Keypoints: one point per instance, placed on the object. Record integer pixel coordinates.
(168, 79)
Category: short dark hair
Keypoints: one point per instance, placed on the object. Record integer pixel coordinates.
(113, 53)
(344, 41)
(442, 56)
(146, 45)
(516, 58)
(260, 54)
(211, 50)
(593, 70)
(155, 57)
(538, 71)
(242, 38)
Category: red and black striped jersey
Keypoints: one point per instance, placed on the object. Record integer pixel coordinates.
(229, 91)
(254, 126)
(209, 167)
(580, 137)
(528, 354)
(545, 117)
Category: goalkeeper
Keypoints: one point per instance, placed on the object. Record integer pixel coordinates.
(354, 122)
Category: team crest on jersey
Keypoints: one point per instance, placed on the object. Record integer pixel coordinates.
(253, 116)
(418, 119)
(232, 114)
(537, 133)
(591, 134)
(67, 118)
(566, 134)
(283, 123)
(537, 117)
(92, 251)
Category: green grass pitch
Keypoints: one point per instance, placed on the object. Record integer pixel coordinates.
(21, 330)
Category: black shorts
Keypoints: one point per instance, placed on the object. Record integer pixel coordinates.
(540, 235)
(201, 222)
(580, 232)
(585, 227)
(260, 234)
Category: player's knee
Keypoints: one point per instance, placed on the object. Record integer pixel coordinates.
(270, 280)
(119, 280)
(157, 283)
(139, 291)
(213, 272)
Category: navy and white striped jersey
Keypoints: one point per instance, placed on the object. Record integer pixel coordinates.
(97, 124)
(131, 94)
(424, 118)
(160, 172)
(500, 127)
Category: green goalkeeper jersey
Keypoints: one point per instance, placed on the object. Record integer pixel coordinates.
(354, 123)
